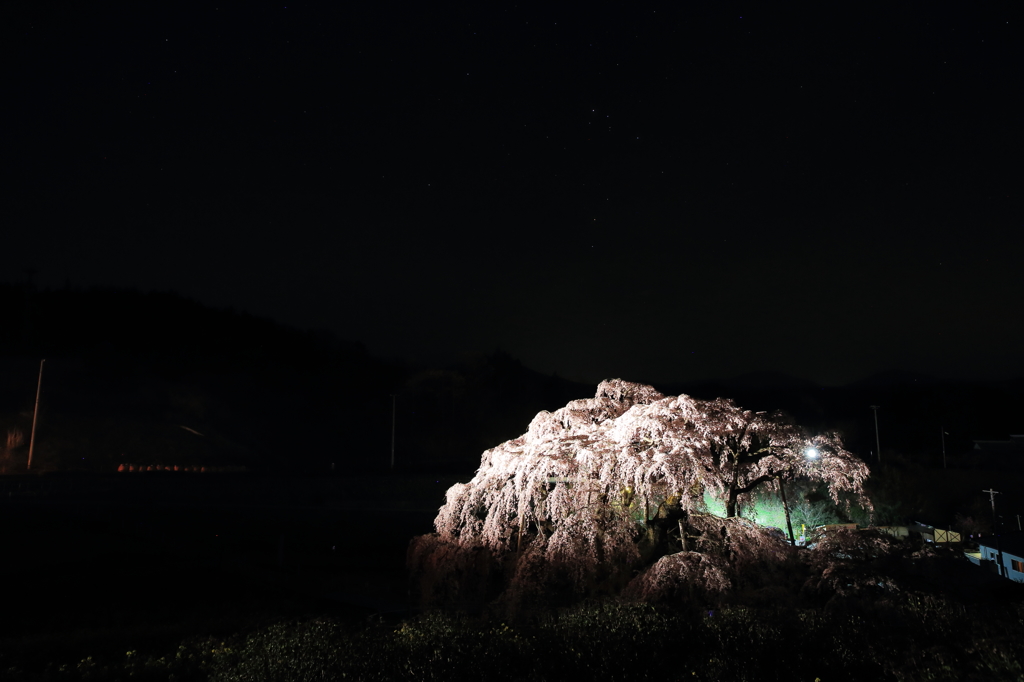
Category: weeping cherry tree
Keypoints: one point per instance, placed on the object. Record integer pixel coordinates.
(610, 486)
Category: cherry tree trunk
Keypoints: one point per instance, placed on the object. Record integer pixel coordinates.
(730, 503)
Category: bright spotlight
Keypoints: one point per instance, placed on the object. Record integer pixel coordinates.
(811, 453)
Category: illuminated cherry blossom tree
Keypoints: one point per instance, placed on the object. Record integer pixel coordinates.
(606, 486)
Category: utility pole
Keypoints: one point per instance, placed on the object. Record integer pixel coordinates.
(35, 415)
(942, 435)
(877, 442)
(392, 431)
(995, 530)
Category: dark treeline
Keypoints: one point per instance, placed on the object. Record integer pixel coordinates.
(133, 377)
(914, 411)
(159, 379)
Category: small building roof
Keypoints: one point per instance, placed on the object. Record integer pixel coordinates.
(1014, 445)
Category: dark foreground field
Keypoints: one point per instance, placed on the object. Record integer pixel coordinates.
(100, 565)
(235, 577)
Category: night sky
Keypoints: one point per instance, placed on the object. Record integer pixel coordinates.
(655, 192)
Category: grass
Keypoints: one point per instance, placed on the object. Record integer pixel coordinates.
(914, 640)
(95, 572)
(201, 591)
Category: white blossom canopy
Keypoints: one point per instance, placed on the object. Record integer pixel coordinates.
(598, 466)
(576, 493)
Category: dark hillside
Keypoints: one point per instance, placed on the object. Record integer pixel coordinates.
(155, 379)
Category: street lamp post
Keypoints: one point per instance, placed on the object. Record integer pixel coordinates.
(812, 454)
(878, 443)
